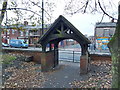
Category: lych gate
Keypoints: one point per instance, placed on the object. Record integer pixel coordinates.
(62, 29)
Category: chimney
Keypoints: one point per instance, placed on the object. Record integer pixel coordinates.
(112, 20)
(25, 23)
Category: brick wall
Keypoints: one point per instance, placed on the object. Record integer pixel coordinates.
(100, 57)
(45, 58)
(36, 54)
(47, 61)
(83, 64)
(14, 35)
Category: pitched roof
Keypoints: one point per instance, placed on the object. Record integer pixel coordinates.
(69, 25)
(105, 24)
(25, 27)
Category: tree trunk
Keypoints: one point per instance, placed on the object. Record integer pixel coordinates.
(114, 46)
(4, 6)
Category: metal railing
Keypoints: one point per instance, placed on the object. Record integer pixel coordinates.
(69, 55)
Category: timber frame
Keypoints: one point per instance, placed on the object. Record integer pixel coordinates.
(62, 29)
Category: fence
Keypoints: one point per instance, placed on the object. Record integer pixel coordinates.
(69, 55)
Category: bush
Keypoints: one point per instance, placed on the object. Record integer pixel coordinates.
(7, 59)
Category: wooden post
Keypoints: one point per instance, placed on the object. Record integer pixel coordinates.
(56, 54)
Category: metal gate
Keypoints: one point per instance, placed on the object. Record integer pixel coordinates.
(69, 55)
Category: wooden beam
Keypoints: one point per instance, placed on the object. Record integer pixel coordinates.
(62, 27)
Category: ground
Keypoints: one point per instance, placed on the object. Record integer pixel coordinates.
(20, 74)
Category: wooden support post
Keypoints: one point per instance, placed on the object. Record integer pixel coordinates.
(50, 47)
(44, 48)
(56, 54)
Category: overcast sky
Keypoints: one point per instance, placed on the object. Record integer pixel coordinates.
(84, 22)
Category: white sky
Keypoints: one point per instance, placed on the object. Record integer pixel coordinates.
(84, 22)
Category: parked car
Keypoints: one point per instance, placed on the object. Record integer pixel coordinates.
(18, 43)
(5, 45)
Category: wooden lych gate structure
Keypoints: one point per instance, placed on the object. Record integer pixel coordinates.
(62, 29)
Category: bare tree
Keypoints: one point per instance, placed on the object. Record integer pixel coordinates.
(30, 10)
(114, 46)
(4, 6)
(90, 6)
(71, 7)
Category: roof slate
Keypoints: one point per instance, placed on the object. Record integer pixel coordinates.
(106, 24)
(69, 25)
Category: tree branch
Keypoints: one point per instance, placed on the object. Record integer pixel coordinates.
(102, 18)
(104, 11)
(21, 9)
(41, 8)
(70, 3)
(4, 7)
(77, 10)
(86, 6)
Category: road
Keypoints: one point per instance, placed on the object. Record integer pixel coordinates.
(70, 53)
(73, 53)
(29, 48)
(67, 53)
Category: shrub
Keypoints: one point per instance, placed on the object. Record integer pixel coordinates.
(7, 59)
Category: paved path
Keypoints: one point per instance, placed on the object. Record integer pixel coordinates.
(63, 75)
(68, 72)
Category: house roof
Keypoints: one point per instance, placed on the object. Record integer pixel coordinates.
(65, 22)
(36, 27)
(105, 24)
(25, 26)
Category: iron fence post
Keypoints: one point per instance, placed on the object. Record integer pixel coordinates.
(73, 56)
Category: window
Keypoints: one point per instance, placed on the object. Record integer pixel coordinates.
(13, 31)
(26, 33)
(31, 33)
(35, 32)
(99, 32)
(106, 32)
(112, 31)
(21, 33)
(8, 31)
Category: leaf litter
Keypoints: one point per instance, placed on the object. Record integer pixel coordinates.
(25, 77)
(101, 79)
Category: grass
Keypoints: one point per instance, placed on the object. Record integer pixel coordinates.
(7, 59)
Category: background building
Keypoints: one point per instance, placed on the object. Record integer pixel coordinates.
(103, 33)
(33, 33)
(29, 33)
